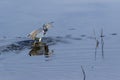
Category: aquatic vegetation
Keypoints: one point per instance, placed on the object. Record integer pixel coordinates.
(40, 48)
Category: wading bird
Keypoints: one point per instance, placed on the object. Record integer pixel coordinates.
(38, 34)
(39, 47)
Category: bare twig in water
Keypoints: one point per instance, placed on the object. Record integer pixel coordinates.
(84, 74)
(97, 44)
(102, 43)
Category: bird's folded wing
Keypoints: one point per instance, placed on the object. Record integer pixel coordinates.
(34, 33)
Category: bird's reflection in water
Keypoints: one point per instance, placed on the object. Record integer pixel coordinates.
(40, 48)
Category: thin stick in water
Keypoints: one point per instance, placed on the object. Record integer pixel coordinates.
(97, 43)
(102, 43)
(83, 71)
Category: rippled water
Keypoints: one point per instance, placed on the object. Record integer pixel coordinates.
(77, 26)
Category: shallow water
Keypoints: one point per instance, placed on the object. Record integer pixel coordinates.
(76, 24)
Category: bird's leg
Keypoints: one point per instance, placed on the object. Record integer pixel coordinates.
(40, 39)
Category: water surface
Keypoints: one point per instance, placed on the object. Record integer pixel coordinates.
(75, 22)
